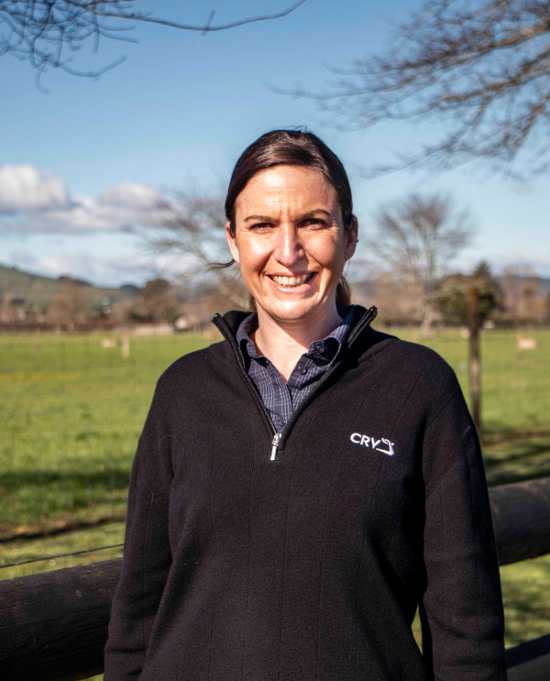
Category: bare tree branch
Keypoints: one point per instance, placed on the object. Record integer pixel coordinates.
(192, 225)
(483, 67)
(207, 28)
(40, 31)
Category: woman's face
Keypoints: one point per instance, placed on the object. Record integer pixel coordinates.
(290, 242)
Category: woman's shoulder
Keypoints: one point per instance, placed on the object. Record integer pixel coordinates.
(414, 363)
(406, 350)
(190, 368)
(421, 353)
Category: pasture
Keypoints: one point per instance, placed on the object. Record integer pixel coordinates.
(71, 412)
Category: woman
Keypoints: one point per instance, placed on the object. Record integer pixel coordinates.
(302, 487)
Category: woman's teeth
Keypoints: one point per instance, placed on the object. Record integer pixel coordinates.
(292, 281)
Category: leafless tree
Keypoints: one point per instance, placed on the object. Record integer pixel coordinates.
(191, 226)
(42, 32)
(419, 235)
(481, 67)
(398, 295)
(157, 302)
(524, 293)
(69, 305)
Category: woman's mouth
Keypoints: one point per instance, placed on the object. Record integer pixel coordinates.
(291, 282)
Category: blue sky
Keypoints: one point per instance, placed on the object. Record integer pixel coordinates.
(182, 107)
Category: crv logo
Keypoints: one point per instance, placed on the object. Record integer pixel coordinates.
(367, 441)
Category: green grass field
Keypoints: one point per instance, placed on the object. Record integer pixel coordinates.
(71, 412)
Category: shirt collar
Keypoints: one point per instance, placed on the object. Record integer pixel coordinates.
(326, 350)
(245, 343)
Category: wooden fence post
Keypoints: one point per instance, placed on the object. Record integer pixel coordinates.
(125, 347)
(474, 356)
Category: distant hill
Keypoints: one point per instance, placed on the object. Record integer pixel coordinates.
(35, 290)
(130, 288)
(70, 280)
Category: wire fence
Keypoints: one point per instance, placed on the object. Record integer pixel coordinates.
(61, 555)
(72, 407)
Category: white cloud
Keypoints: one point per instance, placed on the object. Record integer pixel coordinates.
(34, 202)
(23, 188)
(132, 196)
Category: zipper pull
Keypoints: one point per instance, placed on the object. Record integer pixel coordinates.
(275, 445)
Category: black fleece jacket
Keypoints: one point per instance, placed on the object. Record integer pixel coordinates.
(309, 567)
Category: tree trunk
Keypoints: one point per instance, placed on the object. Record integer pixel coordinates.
(428, 315)
(474, 356)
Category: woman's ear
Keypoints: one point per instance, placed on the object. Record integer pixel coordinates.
(351, 237)
(231, 242)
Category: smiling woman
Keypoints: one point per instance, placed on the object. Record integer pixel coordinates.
(303, 487)
(296, 245)
(291, 228)
(290, 241)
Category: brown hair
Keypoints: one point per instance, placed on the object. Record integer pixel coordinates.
(293, 148)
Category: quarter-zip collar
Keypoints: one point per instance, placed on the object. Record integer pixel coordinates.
(230, 322)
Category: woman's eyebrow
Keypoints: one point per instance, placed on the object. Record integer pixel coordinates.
(267, 218)
(311, 213)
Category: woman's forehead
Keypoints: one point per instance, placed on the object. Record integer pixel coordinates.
(287, 186)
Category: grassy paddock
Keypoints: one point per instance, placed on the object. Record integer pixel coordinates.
(71, 412)
(70, 417)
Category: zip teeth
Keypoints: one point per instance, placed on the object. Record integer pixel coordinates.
(292, 281)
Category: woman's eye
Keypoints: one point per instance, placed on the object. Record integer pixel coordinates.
(314, 222)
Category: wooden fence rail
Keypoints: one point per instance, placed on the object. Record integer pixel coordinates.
(521, 518)
(53, 625)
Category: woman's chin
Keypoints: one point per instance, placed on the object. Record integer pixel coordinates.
(295, 311)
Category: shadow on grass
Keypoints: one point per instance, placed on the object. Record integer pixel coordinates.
(38, 503)
(109, 479)
(517, 461)
(526, 607)
(523, 616)
(495, 433)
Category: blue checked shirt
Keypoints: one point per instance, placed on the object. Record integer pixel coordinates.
(281, 398)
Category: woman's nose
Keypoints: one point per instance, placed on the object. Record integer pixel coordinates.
(288, 248)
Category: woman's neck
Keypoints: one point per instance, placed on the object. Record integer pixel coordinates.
(284, 343)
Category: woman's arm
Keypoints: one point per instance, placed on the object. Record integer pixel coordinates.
(147, 555)
(461, 611)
